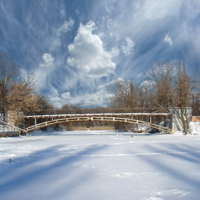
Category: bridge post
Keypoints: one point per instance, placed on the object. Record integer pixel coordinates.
(35, 121)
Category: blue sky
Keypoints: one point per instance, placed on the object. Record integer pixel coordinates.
(76, 49)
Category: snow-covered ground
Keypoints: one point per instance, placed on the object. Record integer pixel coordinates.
(99, 165)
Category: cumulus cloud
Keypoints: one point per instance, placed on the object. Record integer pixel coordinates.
(88, 54)
(128, 46)
(168, 40)
(47, 60)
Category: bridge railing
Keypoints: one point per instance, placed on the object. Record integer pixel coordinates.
(96, 118)
(12, 127)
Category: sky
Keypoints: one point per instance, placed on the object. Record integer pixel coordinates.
(77, 49)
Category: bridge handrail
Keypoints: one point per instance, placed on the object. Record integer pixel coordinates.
(15, 127)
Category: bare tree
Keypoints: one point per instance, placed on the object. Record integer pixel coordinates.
(174, 88)
(126, 95)
(8, 73)
(147, 94)
(124, 100)
(69, 109)
(163, 75)
(133, 97)
(45, 107)
(183, 92)
(195, 101)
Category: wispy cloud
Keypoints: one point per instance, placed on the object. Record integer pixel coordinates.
(60, 101)
(168, 40)
(43, 71)
(67, 25)
(128, 46)
(155, 10)
(100, 97)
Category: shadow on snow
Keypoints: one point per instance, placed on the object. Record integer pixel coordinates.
(27, 171)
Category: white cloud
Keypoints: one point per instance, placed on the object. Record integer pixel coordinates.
(55, 40)
(48, 60)
(88, 54)
(60, 101)
(66, 26)
(55, 99)
(102, 96)
(148, 84)
(62, 12)
(110, 86)
(66, 96)
(77, 12)
(43, 71)
(168, 40)
(98, 98)
(128, 46)
(109, 9)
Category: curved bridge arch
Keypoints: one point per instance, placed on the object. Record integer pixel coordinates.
(94, 118)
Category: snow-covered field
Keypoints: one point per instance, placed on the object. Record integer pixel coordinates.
(99, 165)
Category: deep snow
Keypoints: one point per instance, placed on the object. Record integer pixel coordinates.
(99, 165)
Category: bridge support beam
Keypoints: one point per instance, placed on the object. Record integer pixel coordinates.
(35, 121)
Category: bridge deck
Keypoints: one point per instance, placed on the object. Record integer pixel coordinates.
(95, 114)
(96, 118)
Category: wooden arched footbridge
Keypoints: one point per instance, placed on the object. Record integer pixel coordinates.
(109, 117)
